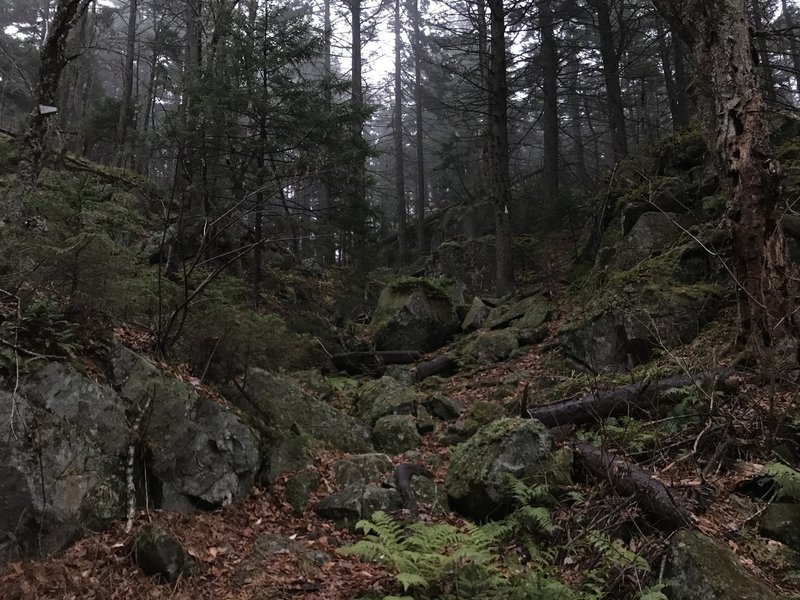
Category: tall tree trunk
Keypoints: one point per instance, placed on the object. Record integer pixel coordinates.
(788, 21)
(358, 205)
(399, 162)
(765, 68)
(498, 148)
(126, 102)
(736, 120)
(550, 122)
(52, 62)
(327, 246)
(611, 74)
(421, 190)
(665, 53)
(684, 107)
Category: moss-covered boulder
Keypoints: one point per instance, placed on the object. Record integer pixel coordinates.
(385, 396)
(414, 314)
(703, 568)
(299, 488)
(394, 434)
(482, 413)
(492, 346)
(279, 406)
(477, 477)
(652, 234)
(471, 261)
(527, 313)
(362, 469)
(476, 315)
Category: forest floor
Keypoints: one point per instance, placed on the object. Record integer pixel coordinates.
(101, 566)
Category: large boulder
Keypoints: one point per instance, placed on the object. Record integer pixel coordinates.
(781, 522)
(414, 314)
(385, 396)
(63, 445)
(478, 475)
(653, 233)
(703, 568)
(199, 453)
(527, 313)
(394, 434)
(349, 505)
(282, 407)
(493, 346)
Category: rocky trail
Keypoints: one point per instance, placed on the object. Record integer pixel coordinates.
(263, 547)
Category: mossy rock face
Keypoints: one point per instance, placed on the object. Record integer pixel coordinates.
(363, 468)
(781, 522)
(493, 346)
(703, 568)
(652, 234)
(413, 314)
(281, 406)
(385, 396)
(680, 151)
(395, 434)
(477, 477)
(472, 262)
(527, 313)
(299, 489)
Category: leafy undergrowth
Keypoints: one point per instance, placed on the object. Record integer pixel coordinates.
(589, 543)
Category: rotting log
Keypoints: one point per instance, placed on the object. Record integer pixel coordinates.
(634, 399)
(441, 365)
(372, 362)
(666, 506)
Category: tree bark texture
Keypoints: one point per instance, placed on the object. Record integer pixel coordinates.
(52, 62)
(550, 123)
(611, 74)
(736, 124)
(498, 148)
(399, 162)
(418, 108)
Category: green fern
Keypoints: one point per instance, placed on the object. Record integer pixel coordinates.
(787, 479)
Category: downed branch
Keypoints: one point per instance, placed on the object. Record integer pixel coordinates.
(372, 362)
(631, 399)
(441, 365)
(629, 479)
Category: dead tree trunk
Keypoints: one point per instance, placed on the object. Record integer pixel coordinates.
(629, 479)
(734, 113)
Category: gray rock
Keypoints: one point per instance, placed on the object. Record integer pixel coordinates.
(598, 343)
(529, 337)
(425, 422)
(703, 568)
(529, 312)
(444, 407)
(395, 434)
(385, 396)
(781, 522)
(475, 316)
(493, 346)
(158, 553)
(653, 233)
(477, 477)
(198, 451)
(279, 405)
(286, 452)
(352, 503)
(413, 317)
(299, 489)
(363, 469)
(71, 479)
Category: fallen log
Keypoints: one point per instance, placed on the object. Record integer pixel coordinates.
(372, 362)
(634, 399)
(441, 365)
(629, 479)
